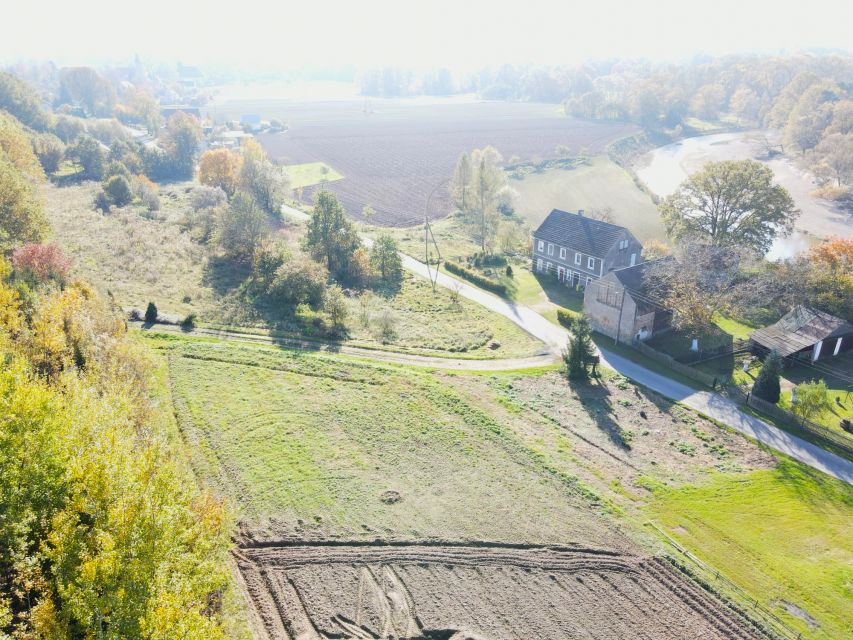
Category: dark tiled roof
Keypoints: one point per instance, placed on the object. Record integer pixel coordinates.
(634, 279)
(580, 233)
(800, 329)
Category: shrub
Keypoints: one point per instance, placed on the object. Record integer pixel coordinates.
(147, 192)
(476, 278)
(41, 262)
(204, 197)
(566, 318)
(151, 313)
(509, 271)
(189, 321)
(299, 280)
(386, 324)
(102, 202)
(117, 189)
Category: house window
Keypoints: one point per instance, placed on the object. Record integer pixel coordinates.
(541, 246)
(577, 258)
(562, 253)
(550, 267)
(590, 263)
(539, 264)
(550, 249)
(588, 280)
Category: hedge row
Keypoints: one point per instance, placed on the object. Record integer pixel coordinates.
(566, 318)
(476, 278)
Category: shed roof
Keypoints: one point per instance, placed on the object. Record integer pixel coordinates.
(576, 231)
(801, 328)
(635, 281)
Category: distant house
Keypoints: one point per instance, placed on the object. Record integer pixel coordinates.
(168, 110)
(577, 249)
(618, 305)
(805, 333)
(230, 139)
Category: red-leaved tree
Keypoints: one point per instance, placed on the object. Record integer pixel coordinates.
(42, 262)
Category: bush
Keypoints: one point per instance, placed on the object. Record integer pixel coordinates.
(189, 321)
(102, 202)
(509, 271)
(204, 197)
(476, 278)
(566, 318)
(298, 280)
(147, 192)
(151, 313)
(117, 189)
(41, 262)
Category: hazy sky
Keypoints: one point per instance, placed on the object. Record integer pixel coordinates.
(459, 33)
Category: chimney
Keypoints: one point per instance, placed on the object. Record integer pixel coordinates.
(580, 212)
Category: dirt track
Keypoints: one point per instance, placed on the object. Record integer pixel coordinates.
(477, 591)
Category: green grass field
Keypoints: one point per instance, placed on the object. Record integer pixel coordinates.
(311, 173)
(596, 186)
(783, 535)
(312, 446)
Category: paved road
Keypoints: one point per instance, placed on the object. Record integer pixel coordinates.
(707, 402)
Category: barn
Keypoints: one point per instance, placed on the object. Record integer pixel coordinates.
(805, 333)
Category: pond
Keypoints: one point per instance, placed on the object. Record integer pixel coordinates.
(664, 168)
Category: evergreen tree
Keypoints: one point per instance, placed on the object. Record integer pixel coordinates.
(580, 350)
(151, 313)
(766, 386)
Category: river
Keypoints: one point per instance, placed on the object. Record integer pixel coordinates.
(664, 168)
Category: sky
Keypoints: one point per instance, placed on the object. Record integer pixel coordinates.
(460, 34)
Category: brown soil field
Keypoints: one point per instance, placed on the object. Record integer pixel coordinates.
(477, 592)
(395, 155)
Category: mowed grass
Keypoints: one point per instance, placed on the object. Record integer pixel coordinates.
(596, 186)
(309, 446)
(782, 534)
(311, 173)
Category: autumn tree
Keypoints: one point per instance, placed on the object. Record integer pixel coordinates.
(708, 101)
(836, 153)
(22, 217)
(267, 183)
(331, 237)
(83, 86)
(20, 100)
(49, 150)
(811, 116)
(219, 168)
(733, 203)
(16, 147)
(40, 263)
(830, 276)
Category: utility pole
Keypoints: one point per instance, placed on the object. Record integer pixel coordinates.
(428, 234)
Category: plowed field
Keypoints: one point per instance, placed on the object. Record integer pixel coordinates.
(471, 591)
(393, 156)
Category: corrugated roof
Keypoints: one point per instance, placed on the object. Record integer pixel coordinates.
(800, 329)
(593, 237)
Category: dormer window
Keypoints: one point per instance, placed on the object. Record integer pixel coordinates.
(577, 258)
(590, 263)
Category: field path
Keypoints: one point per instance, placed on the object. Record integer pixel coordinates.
(707, 402)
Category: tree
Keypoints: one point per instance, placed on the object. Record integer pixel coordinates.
(829, 279)
(766, 385)
(489, 179)
(50, 151)
(812, 400)
(695, 285)
(118, 190)
(745, 104)
(219, 168)
(241, 227)
(836, 152)
(147, 192)
(385, 259)
(83, 86)
(708, 101)
(151, 313)
(462, 182)
(67, 128)
(730, 204)
(298, 280)
(580, 350)
(22, 216)
(811, 116)
(18, 98)
(88, 153)
(267, 183)
(16, 147)
(181, 141)
(331, 237)
(335, 306)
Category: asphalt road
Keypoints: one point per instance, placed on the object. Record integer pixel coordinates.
(709, 403)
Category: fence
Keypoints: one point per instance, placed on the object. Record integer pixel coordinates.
(688, 372)
(816, 430)
(736, 348)
(767, 620)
